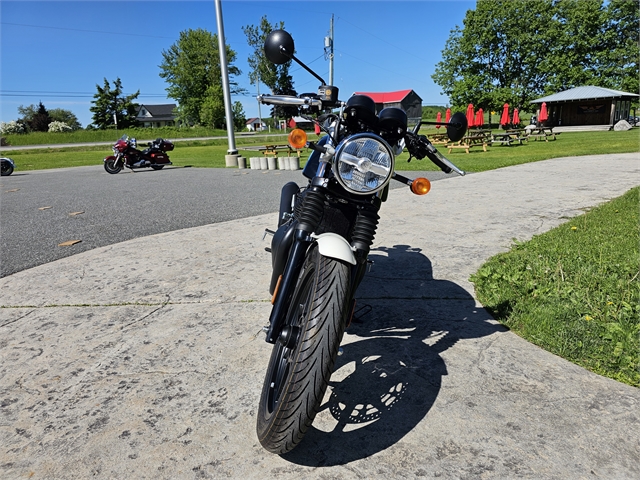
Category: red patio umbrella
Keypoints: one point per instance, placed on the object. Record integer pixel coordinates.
(438, 118)
(470, 116)
(447, 115)
(504, 119)
(544, 116)
(516, 117)
(479, 118)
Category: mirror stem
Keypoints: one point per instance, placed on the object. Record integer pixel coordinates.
(293, 57)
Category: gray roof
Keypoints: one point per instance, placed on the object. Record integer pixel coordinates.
(158, 112)
(584, 93)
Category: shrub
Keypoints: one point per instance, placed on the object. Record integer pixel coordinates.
(12, 127)
(59, 127)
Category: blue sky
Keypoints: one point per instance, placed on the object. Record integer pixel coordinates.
(56, 52)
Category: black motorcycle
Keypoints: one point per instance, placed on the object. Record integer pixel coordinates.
(325, 231)
(6, 166)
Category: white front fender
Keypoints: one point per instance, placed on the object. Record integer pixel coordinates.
(333, 245)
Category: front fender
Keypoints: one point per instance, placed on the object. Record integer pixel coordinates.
(333, 245)
(110, 157)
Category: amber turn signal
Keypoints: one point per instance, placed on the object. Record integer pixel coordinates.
(421, 186)
(298, 138)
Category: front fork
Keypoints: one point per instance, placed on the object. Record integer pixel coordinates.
(309, 218)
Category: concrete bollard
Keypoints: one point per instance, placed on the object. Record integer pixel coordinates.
(231, 160)
(271, 163)
(294, 163)
(255, 163)
(281, 163)
(264, 164)
(242, 162)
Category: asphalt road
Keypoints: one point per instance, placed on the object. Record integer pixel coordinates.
(41, 209)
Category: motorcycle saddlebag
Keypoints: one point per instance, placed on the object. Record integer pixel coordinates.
(165, 145)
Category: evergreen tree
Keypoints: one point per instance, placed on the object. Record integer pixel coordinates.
(113, 109)
(41, 120)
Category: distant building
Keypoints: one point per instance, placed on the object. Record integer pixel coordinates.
(587, 105)
(255, 125)
(157, 115)
(407, 100)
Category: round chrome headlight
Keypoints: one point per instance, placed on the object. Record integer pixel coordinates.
(363, 163)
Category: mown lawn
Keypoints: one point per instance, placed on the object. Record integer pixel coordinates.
(210, 154)
(575, 290)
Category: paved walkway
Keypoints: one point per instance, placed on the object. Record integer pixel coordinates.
(144, 359)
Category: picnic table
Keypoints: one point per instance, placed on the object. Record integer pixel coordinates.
(439, 138)
(542, 132)
(468, 142)
(272, 150)
(508, 137)
(480, 131)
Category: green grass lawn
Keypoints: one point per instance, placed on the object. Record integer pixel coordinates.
(574, 290)
(211, 153)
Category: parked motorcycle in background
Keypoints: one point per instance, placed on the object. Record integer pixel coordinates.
(6, 166)
(127, 155)
(325, 230)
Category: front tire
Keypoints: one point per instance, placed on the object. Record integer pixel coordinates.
(157, 167)
(112, 166)
(300, 368)
(6, 169)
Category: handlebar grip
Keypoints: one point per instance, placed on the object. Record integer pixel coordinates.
(289, 100)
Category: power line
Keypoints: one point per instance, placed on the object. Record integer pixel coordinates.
(85, 31)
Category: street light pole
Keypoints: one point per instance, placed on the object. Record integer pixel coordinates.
(231, 158)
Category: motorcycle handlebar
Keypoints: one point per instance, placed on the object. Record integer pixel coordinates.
(289, 100)
(419, 146)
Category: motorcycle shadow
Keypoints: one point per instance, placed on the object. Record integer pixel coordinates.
(390, 372)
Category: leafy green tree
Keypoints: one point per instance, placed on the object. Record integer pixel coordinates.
(620, 68)
(516, 50)
(110, 102)
(191, 67)
(212, 108)
(239, 117)
(36, 118)
(65, 116)
(276, 77)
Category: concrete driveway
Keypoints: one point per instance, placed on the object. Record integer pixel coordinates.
(144, 359)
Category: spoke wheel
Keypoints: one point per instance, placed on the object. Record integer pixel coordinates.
(303, 357)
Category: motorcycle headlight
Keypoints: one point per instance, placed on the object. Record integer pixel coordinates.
(364, 163)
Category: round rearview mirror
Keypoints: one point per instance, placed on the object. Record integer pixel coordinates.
(457, 127)
(278, 47)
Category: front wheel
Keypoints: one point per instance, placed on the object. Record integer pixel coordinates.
(303, 357)
(157, 167)
(6, 169)
(112, 166)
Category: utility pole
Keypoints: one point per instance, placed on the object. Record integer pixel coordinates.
(328, 51)
(231, 159)
(259, 112)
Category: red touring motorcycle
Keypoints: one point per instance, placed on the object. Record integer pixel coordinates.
(325, 231)
(127, 155)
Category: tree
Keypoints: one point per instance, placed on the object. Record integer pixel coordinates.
(239, 117)
(41, 120)
(65, 116)
(191, 67)
(110, 104)
(516, 51)
(276, 77)
(620, 69)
